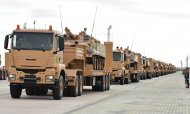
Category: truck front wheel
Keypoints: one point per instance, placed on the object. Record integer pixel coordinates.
(15, 90)
(122, 79)
(80, 88)
(103, 85)
(58, 89)
(73, 90)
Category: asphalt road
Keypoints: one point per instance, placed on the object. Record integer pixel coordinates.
(164, 95)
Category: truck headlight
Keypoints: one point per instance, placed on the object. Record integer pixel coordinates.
(49, 78)
(12, 77)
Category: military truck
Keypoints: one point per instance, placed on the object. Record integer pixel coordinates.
(120, 67)
(161, 68)
(156, 68)
(144, 67)
(140, 68)
(134, 73)
(39, 60)
(172, 68)
(149, 68)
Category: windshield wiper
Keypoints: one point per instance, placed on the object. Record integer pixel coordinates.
(39, 49)
(22, 49)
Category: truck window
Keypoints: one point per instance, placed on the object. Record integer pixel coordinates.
(57, 43)
(116, 56)
(32, 41)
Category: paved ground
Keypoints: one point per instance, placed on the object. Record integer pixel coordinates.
(163, 95)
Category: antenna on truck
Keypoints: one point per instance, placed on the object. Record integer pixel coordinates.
(60, 18)
(94, 20)
(133, 41)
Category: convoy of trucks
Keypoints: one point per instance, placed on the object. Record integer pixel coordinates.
(42, 60)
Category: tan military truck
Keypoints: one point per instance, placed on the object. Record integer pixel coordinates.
(156, 68)
(39, 60)
(161, 68)
(144, 67)
(172, 68)
(140, 68)
(35, 62)
(164, 68)
(149, 68)
(120, 71)
(133, 70)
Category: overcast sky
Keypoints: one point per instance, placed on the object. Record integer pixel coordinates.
(158, 28)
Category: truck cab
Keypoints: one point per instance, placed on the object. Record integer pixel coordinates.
(35, 62)
(119, 72)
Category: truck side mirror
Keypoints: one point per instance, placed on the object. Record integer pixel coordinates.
(61, 43)
(6, 42)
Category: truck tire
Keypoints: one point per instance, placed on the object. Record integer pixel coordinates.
(73, 90)
(4, 76)
(115, 80)
(126, 81)
(1, 74)
(80, 88)
(138, 78)
(103, 81)
(45, 91)
(58, 89)
(122, 80)
(29, 91)
(15, 90)
(94, 88)
(108, 82)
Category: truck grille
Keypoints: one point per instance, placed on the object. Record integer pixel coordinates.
(30, 76)
(30, 79)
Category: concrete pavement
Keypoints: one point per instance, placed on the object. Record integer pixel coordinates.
(163, 95)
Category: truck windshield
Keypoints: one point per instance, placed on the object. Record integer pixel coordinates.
(32, 41)
(116, 56)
